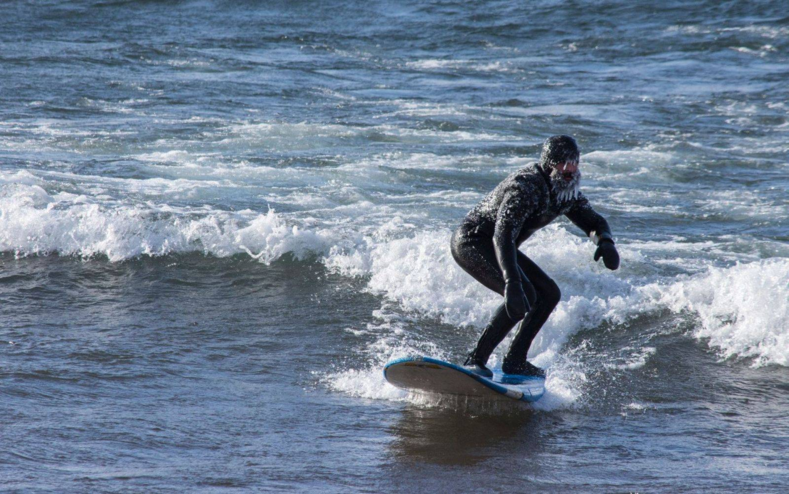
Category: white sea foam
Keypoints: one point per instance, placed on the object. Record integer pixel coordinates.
(635, 358)
(576, 110)
(419, 274)
(424, 161)
(763, 51)
(743, 311)
(772, 32)
(180, 157)
(436, 64)
(765, 31)
(34, 221)
(745, 205)
(410, 266)
(391, 341)
(429, 109)
(394, 341)
(628, 166)
(284, 136)
(629, 157)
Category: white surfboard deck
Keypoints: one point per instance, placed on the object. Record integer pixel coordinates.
(431, 375)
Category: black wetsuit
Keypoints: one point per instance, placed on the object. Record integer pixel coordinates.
(520, 205)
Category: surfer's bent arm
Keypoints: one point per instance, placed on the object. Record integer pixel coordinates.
(509, 221)
(596, 227)
(587, 219)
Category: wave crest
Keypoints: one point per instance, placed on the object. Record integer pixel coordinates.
(36, 222)
(743, 310)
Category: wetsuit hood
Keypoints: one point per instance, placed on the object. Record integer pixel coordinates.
(558, 149)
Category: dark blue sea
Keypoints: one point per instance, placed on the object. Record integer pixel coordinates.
(220, 219)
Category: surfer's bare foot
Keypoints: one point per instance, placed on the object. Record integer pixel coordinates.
(524, 368)
(477, 367)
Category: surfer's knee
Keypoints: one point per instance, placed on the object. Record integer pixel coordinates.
(551, 295)
(529, 291)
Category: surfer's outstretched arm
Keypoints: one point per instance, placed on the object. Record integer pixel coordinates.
(595, 227)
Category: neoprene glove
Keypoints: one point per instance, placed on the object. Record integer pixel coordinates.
(515, 301)
(607, 251)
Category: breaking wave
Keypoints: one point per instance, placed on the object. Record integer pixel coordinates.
(740, 310)
(36, 222)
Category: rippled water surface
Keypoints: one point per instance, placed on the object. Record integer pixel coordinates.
(218, 220)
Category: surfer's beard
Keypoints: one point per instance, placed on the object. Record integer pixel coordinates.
(563, 189)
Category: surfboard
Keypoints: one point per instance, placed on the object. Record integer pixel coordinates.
(430, 375)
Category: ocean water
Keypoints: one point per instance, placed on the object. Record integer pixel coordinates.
(218, 220)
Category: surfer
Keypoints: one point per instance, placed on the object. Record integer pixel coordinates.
(486, 247)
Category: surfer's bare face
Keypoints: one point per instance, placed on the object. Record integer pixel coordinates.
(565, 180)
(567, 170)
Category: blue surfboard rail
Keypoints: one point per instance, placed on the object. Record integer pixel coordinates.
(526, 394)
